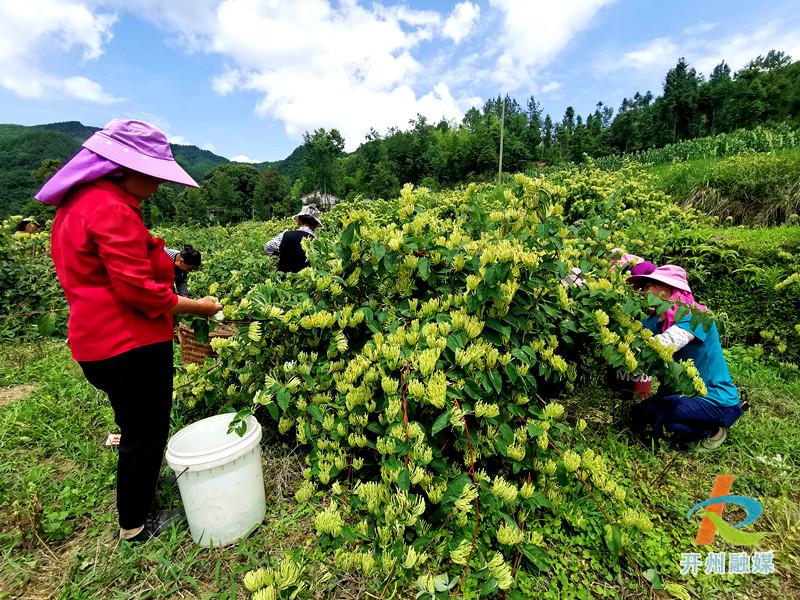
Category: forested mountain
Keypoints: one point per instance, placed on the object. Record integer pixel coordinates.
(28, 155)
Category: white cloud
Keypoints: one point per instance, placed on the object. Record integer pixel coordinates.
(243, 158)
(177, 139)
(534, 33)
(699, 28)
(656, 56)
(317, 64)
(461, 21)
(209, 146)
(740, 48)
(550, 86)
(86, 89)
(31, 27)
(227, 82)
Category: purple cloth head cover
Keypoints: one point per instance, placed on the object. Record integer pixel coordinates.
(84, 167)
(642, 268)
(121, 145)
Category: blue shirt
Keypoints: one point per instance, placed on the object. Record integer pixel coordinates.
(706, 352)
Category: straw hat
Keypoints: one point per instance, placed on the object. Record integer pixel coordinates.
(311, 211)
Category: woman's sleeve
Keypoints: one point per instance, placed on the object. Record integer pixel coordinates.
(675, 336)
(121, 240)
(273, 246)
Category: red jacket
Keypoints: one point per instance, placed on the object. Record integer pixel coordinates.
(116, 276)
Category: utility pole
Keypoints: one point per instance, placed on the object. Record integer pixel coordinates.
(502, 126)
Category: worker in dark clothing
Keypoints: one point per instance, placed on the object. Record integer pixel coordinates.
(185, 261)
(287, 244)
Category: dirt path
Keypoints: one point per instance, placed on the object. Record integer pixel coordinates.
(12, 393)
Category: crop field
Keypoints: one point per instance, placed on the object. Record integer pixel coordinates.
(439, 405)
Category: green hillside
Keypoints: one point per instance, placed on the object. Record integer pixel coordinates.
(23, 148)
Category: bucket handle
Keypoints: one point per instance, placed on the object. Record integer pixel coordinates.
(181, 473)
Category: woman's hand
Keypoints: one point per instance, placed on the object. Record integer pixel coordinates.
(205, 307)
(208, 306)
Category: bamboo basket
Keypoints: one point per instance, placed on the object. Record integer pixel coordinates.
(193, 351)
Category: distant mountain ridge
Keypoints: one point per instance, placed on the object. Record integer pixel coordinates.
(24, 147)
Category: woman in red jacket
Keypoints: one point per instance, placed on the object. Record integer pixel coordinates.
(118, 282)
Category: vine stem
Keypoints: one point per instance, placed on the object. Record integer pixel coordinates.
(625, 552)
(477, 497)
(404, 383)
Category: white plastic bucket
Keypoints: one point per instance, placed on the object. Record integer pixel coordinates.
(220, 478)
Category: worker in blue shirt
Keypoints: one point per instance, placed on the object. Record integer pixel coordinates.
(696, 420)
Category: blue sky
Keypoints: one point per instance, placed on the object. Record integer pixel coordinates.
(245, 78)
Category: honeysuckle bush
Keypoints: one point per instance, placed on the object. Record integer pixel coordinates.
(419, 361)
(31, 297)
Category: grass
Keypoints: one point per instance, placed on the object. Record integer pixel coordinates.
(756, 188)
(57, 516)
(57, 495)
(759, 241)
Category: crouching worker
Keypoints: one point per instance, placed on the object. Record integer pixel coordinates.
(287, 244)
(185, 261)
(693, 420)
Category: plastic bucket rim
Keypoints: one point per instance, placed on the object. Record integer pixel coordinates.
(237, 444)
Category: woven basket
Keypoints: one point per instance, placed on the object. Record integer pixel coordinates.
(193, 351)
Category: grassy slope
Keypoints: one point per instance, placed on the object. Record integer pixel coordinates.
(57, 490)
(746, 187)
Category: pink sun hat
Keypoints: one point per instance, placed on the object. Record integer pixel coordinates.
(121, 145)
(138, 146)
(672, 275)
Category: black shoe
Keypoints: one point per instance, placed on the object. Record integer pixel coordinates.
(155, 524)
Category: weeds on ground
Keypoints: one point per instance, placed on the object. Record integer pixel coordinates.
(57, 494)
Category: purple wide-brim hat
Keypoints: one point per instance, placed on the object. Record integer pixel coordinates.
(671, 275)
(121, 145)
(141, 147)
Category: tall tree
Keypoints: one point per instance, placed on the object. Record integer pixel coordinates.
(534, 132)
(678, 113)
(323, 150)
(271, 196)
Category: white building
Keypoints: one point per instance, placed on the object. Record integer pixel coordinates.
(323, 201)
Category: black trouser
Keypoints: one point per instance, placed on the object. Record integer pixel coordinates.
(139, 386)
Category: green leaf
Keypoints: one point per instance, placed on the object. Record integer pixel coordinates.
(424, 268)
(379, 250)
(486, 382)
(472, 390)
(489, 586)
(534, 431)
(390, 262)
(614, 540)
(537, 556)
(441, 582)
(273, 411)
(282, 398)
(652, 576)
(511, 372)
(346, 237)
(497, 381)
(47, 324)
(315, 412)
(440, 423)
(403, 480)
(503, 330)
(677, 591)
